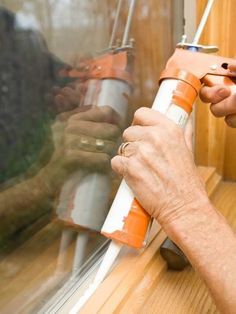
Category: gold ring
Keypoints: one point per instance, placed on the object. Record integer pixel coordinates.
(84, 142)
(91, 144)
(121, 149)
(100, 144)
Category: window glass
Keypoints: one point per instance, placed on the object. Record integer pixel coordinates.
(66, 94)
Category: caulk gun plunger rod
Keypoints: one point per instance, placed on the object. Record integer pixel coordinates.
(115, 25)
(203, 22)
(128, 23)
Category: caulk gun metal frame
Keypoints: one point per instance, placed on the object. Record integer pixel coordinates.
(127, 222)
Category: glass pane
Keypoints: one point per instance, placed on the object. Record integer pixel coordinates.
(66, 94)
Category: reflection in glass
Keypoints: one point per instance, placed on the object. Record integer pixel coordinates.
(64, 101)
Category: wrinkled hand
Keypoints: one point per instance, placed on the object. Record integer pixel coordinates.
(223, 102)
(159, 167)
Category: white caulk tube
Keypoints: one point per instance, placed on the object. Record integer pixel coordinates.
(84, 197)
(127, 222)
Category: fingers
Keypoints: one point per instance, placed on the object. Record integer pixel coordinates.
(119, 165)
(66, 98)
(98, 114)
(87, 160)
(231, 120)
(214, 94)
(223, 101)
(134, 133)
(89, 144)
(150, 117)
(64, 116)
(103, 130)
(70, 94)
(149, 121)
(225, 107)
(130, 168)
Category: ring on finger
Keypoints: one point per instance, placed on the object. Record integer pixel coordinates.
(100, 144)
(91, 144)
(121, 149)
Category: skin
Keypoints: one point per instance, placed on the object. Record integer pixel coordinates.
(223, 103)
(159, 167)
(28, 200)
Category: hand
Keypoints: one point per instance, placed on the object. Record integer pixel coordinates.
(84, 140)
(223, 103)
(159, 167)
(67, 98)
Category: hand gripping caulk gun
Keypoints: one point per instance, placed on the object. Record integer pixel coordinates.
(188, 68)
(83, 202)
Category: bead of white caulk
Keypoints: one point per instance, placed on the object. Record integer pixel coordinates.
(108, 260)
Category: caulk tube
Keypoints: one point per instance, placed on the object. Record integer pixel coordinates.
(90, 204)
(127, 222)
(84, 197)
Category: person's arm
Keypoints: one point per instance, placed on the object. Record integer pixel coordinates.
(210, 244)
(160, 169)
(23, 203)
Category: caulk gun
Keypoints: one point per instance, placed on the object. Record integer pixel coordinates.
(84, 198)
(189, 67)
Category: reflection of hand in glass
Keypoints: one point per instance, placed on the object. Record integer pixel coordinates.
(68, 97)
(85, 140)
(89, 138)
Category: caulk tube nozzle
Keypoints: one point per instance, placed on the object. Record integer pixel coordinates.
(127, 221)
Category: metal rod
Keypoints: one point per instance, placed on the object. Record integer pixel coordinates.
(203, 22)
(80, 247)
(114, 29)
(128, 23)
(66, 239)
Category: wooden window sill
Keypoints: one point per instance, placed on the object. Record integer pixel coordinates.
(136, 273)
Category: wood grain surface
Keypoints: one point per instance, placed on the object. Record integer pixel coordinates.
(168, 291)
(215, 141)
(141, 283)
(184, 292)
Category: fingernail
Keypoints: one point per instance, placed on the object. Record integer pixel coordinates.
(223, 92)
